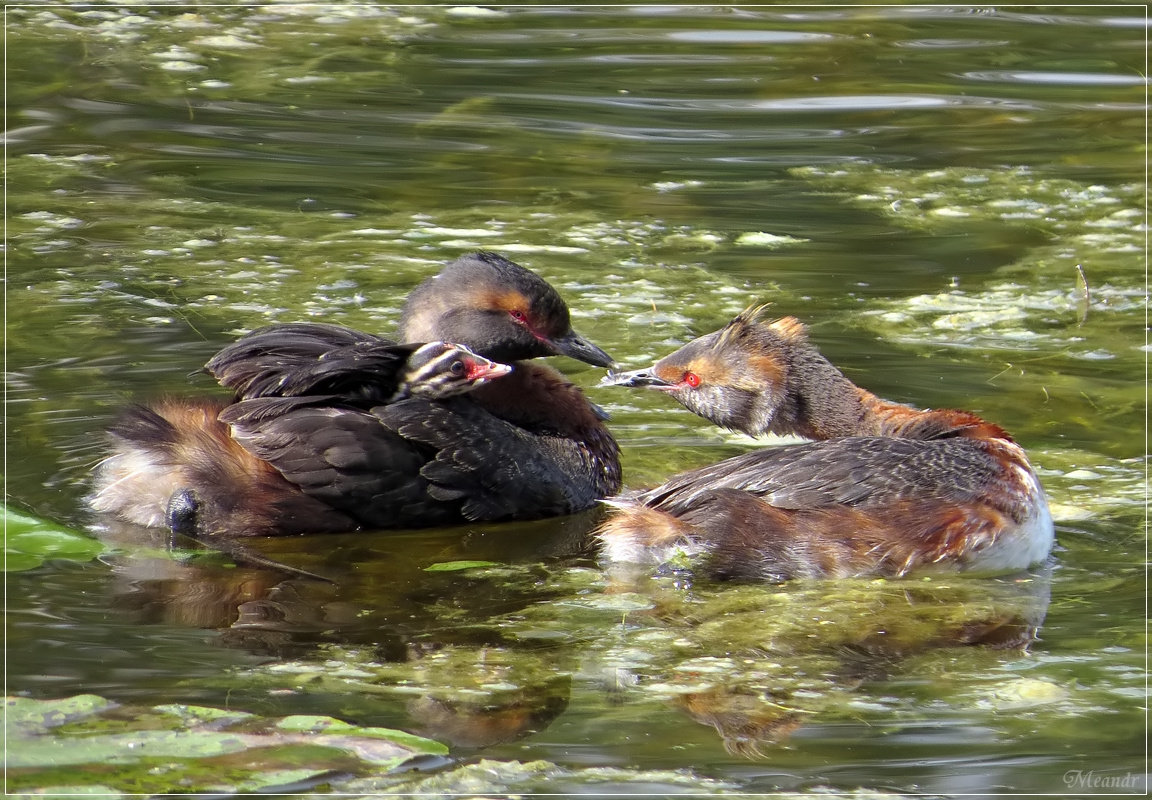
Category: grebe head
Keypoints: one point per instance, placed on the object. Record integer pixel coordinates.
(495, 308)
(440, 369)
(737, 377)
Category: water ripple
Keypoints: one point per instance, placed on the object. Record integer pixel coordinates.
(1056, 78)
(860, 102)
(749, 37)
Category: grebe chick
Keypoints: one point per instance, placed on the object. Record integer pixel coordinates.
(884, 489)
(325, 434)
(313, 358)
(438, 370)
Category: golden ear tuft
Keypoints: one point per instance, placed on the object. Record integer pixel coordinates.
(506, 300)
(790, 328)
(753, 315)
(741, 325)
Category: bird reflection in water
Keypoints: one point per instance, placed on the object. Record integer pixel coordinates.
(764, 662)
(371, 593)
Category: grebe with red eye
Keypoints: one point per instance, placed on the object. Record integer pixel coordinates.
(883, 490)
(319, 436)
(439, 370)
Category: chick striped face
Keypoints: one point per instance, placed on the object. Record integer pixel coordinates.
(440, 369)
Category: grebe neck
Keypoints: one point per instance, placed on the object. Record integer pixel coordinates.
(824, 404)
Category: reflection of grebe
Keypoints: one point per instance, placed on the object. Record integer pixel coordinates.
(884, 490)
(318, 438)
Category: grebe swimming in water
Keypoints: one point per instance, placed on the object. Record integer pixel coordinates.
(322, 434)
(884, 489)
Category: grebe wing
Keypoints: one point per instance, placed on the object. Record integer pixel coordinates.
(301, 359)
(853, 471)
(413, 462)
(365, 373)
(311, 358)
(342, 456)
(498, 470)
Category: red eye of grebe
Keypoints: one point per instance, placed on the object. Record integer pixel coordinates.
(692, 379)
(518, 315)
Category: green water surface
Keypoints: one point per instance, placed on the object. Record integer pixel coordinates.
(952, 198)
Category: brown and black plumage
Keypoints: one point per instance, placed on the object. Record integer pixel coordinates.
(883, 489)
(324, 434)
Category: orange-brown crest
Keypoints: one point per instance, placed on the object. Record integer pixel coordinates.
(768, 370)
(759, 368)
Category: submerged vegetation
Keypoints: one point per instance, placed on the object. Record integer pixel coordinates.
(85, 744)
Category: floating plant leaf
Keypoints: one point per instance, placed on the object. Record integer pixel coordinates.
(204, 714)
(490, 777)
(313, 724)
(456, 566)
(25, 717)
(87, 742)
(121, 748)
(28, 542)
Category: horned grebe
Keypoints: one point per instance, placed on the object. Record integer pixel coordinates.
(321, 436)
(883, 490)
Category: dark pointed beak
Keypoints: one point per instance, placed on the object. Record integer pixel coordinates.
(576, 346)
(635, 378)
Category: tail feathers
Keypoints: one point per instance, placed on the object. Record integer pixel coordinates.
(639, 534)
(730, 534)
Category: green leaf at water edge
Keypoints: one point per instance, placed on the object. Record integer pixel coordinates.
(457, 566)
(26, 717)
(87, 741)
(29, 542)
